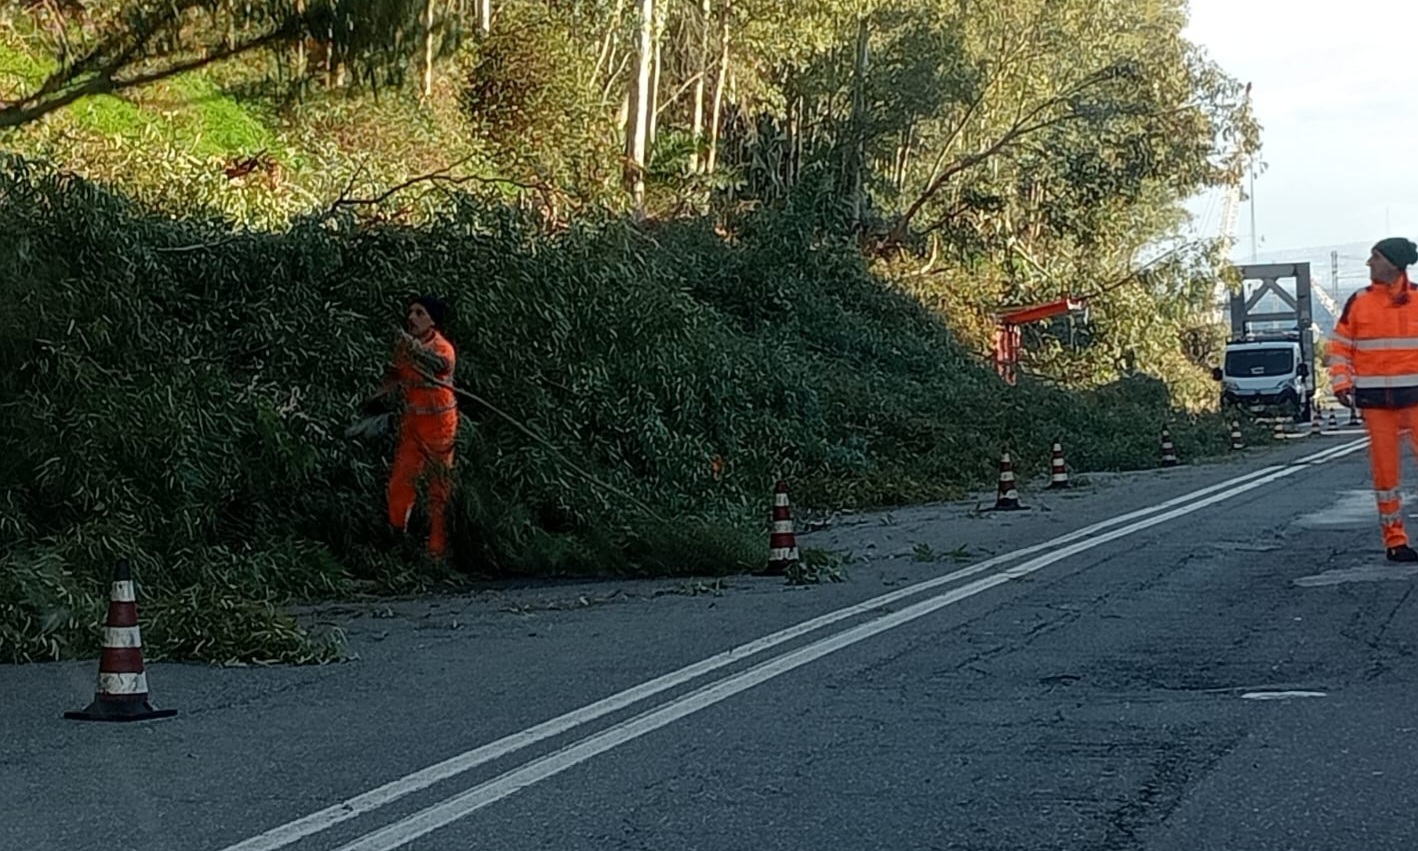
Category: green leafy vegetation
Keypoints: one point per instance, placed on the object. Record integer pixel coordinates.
(772, 234)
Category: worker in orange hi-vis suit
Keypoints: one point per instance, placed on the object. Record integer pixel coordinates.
(1373, 364)
(428, 425)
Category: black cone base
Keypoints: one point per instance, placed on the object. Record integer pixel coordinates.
(120, 710)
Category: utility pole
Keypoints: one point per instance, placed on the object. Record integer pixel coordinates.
(1253, 214)
(1334, 275)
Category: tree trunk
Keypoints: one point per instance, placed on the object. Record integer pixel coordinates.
(718, 109)
(903, 156)
(606, 59)
(859, 123)
(429, 18)
(300, 59)
(638, 120)
(661, 7)
(795, 141)
(331, 62)
(706, 13)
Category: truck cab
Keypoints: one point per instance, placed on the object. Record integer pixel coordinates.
(1267, 371)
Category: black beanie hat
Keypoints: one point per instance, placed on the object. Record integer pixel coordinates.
(1398, 250)
(436, 307)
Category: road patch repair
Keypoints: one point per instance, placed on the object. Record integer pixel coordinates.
(1281, 695)
(1363, 573)
(1353, 508)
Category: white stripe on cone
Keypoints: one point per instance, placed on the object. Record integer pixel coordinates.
(123, 592)
(782, 527)
(780, 500)
(121, 636)
(122, 683)
(783, 554)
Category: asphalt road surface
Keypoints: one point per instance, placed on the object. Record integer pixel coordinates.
(1211, 657)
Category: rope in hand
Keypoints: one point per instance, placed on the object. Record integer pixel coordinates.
(548, 445)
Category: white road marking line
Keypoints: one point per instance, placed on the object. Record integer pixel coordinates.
(322, 820)
(286, 834)
(426, 821)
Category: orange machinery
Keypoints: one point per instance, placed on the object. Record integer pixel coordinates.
(1007, 334)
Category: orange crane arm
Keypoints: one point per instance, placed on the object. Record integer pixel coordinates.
(1025, 315)
(1007, 334)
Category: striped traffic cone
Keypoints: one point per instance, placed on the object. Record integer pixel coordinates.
(1237, 442)
(1333, 420)
(1279, 431)
(1058, 473)
(1315, 428)
(782, 543)
(122, 693)
(1008, 498)
(1169, 452)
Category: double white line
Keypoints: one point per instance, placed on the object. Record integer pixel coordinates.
(461, 805)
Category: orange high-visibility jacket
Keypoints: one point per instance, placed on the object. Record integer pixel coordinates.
(1374, 348)
(422, 397)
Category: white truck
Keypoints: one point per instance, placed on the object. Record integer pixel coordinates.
(1271, 368)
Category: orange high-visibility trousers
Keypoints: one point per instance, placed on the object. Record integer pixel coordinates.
(1387, 427)
(425, 451)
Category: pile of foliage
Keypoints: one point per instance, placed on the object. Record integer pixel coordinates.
(175, 392)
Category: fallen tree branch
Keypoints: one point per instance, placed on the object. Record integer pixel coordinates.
(441, 178)
(180, 249)
(548, 445)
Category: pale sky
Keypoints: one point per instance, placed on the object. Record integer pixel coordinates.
(1336, 93)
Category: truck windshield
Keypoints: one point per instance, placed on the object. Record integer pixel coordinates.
(1256, 362)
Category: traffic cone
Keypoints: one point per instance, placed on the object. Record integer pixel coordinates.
(1333, 420)
(122, 693)
(1315, 428)
(1008, 499)
(1279, 431)
(1169, 452)
(1058, 473)
(1237, 442)
(782, 543)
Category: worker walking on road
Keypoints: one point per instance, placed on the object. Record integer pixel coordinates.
(428, 425)
(1373, 364)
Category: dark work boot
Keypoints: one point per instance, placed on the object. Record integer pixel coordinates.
(1402, 553)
